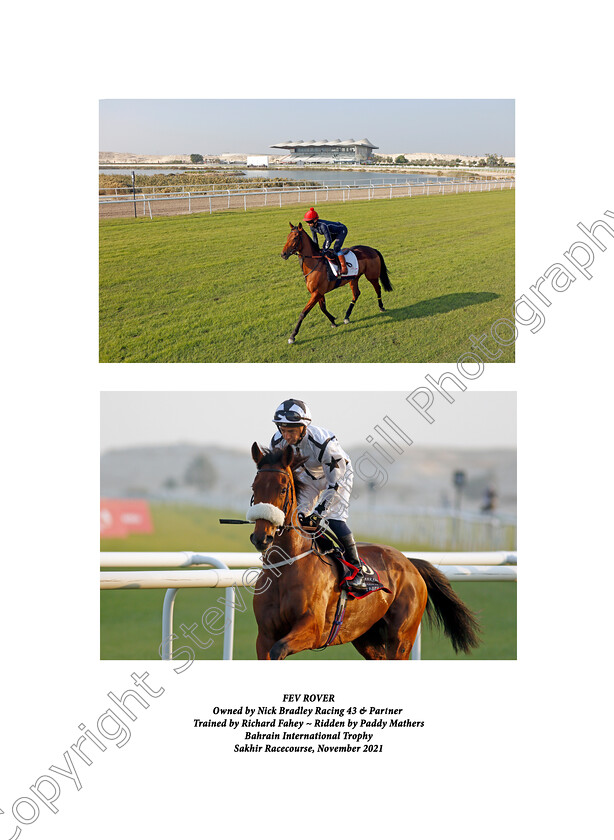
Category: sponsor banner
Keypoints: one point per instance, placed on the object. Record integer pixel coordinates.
(120, 517)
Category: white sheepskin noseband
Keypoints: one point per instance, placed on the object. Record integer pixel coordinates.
(272, 514)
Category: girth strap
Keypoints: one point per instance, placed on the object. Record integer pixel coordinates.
(338, 620)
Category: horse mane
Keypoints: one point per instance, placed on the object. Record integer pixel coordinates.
(273, 457)
(317, 250)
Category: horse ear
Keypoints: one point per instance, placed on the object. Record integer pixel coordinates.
(291, 225)
(300, 225)
(257, 453)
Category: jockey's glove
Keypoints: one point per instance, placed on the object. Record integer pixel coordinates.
(309, 521)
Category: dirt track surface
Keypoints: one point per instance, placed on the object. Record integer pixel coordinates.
(122, 207)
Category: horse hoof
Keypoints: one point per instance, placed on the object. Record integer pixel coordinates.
(346, 320)
(333, 324)
(382, 312)
(290, 341)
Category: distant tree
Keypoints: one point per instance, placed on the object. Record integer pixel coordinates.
(200, 473)
(196, 158)
(401, 159)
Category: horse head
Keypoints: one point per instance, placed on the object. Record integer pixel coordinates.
(293, 242)
(274, 497)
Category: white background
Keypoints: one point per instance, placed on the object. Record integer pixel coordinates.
(509, 747)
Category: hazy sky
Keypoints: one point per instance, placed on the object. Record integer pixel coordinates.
(235, 420)
(218, 126)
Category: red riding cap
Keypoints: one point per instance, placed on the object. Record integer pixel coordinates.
(311, 215)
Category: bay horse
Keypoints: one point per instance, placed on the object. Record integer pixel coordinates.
(295, 600)
(318, 279)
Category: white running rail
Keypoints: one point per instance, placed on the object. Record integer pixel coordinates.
(174, 570)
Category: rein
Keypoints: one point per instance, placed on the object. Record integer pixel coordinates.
(311, 270)
(341, 603)
(308, 257)
(287, 562)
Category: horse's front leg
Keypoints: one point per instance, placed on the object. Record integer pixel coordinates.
(330, 317)
(263, 646)
(355, 296)
(311, 303)
(303, 636)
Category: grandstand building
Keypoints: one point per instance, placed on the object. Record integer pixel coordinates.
(326, 151)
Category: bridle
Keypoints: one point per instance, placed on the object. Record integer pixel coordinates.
(297, 251)
(289, 498)
(288, 502)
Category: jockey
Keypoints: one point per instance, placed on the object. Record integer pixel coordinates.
(327, 474)
(331, 231)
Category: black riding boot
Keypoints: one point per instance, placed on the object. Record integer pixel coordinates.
(351, 555)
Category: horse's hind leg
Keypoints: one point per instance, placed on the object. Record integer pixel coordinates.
(372, 644)
(373, 273)
(330, 317)
(400, 644)
(378, 292)
(355, 296)
(403, 622)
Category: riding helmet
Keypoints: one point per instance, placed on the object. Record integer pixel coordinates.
(292, 413)
(311, 216)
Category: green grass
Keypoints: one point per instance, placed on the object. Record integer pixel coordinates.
(130, 622)
(212, 288)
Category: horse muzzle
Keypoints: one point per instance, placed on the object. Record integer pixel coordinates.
(284, 256)
(261, 542)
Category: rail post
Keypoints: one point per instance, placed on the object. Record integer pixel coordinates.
(168, 609)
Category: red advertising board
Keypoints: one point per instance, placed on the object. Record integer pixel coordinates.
(120, 517)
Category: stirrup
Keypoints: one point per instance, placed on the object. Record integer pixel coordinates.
(359, 585)
(359, 580)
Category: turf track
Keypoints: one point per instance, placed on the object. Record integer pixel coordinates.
(212, 288)
(131, 621)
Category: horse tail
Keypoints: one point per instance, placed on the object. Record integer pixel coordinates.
(383, 275)
(446, 610)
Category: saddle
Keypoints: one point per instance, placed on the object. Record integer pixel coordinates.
(347, 571)
(326, 546)
(334, 268)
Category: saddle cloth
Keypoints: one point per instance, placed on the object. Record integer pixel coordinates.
(348, 571)
(352, 263)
